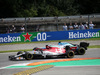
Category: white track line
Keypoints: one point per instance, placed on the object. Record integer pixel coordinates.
(23, 64)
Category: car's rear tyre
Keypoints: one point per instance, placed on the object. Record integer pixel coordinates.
(70, 54)
(20, 52)
(81, 51)
(28, 56)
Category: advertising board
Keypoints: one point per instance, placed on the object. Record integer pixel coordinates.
(46, 36)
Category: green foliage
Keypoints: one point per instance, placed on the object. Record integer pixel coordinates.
(33, 8)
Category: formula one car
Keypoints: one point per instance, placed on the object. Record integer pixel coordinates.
(78, 49)
(48, 51)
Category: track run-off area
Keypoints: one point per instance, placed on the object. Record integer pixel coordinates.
(88, 64)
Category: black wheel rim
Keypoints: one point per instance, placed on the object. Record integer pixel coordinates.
(29, 56)
(71, 54)
(82, 51)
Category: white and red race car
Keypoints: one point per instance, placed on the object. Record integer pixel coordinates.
(48, 51)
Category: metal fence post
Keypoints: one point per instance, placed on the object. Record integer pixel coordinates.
(25, 25)
(57, 23)
(88, 19)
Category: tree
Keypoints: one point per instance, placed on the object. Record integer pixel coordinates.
(33, 8)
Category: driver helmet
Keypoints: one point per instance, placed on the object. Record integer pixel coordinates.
(47, 47)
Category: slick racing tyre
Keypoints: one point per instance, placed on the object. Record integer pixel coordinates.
(70, 54)
(81, 51)
(28, 56)
(20, 52)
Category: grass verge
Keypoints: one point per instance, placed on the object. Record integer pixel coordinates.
(92, 46)
(89, 39)
(15, 50)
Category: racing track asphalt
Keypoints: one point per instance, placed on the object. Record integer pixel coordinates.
(85, 70)
(32, 45)
(78, 70)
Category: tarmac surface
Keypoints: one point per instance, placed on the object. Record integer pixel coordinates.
(32, 45)
(66, 70)
(83, 70)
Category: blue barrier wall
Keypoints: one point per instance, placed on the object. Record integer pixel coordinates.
(45, 36)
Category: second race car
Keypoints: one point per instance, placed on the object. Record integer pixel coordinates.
(78, 49)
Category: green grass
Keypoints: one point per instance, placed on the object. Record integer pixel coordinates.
(15, 50)
(93, 46)
(49, 41)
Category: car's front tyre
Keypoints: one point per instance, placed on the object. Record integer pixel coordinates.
(28, 56)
